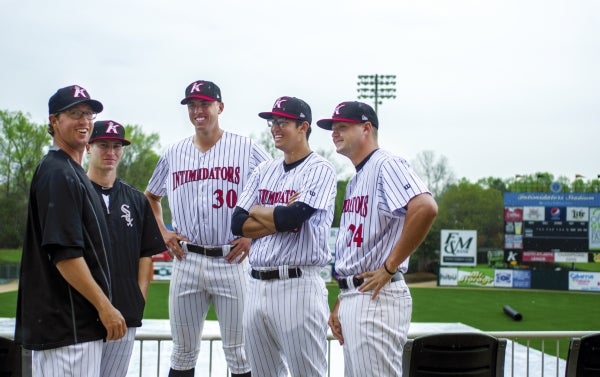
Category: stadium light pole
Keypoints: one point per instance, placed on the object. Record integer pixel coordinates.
(376, 87)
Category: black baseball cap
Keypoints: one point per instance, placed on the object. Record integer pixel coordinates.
(291, 108)
(70, 96)
(351, 112)
(108, 130)
(204, 90)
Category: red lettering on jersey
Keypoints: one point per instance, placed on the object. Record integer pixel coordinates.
(357, 204)
(274, 197)
(225, 173)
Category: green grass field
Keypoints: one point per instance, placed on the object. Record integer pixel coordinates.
(478, 307)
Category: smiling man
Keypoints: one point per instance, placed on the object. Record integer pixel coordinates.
(64, 308)
(387, 213)
(287, 209)
(203, 175)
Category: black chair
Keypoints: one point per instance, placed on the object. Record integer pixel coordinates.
(583, 359)
(10, 358)
(454, 354)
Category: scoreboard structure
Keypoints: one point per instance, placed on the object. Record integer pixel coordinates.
(550, 227)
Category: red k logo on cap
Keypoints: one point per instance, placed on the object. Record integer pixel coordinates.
(279, 103)
(196, 87)
(112, 128)
(79, 92)
(338, 108)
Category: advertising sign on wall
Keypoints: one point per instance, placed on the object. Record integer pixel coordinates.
(584, 281)
(503, 278)
(458, 247)
(521, 278)
(476, 278)
(551, 222)
(448, 276)
(594, 239)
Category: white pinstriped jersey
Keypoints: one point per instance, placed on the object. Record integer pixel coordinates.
(203, 188)
(373, 213)
(270, 185)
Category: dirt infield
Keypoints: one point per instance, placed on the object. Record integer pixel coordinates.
(421, 279)
(9, 287)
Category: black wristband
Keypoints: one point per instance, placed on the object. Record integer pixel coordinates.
(388, 271)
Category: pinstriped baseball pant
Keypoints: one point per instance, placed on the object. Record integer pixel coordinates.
(197, 281)
(116, 355)
(286, 325)
(375, 331)
(78, 360)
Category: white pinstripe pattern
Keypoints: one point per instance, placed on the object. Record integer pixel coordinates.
(195, 281)
(270, 185)
(116, 355)
(203, 189)
(78, 360)
(375, 330)
(373, 213)
(286, 326)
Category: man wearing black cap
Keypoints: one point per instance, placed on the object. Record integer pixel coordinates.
(287, 209)
(135, 237)
(64, 308)
(203, 176)
(387, 213)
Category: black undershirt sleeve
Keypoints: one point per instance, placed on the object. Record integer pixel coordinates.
(238, 219)
(287, 218)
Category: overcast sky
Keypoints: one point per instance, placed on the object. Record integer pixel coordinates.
(499, 87)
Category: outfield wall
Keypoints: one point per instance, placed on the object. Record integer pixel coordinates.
(516, 278)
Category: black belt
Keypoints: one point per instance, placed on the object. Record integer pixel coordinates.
(210, 251)
(356, 282)
(293, 272)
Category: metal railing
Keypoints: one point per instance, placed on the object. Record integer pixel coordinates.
(152, 351)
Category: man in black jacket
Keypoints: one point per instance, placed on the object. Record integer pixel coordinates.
(135, 237)
(64, 308)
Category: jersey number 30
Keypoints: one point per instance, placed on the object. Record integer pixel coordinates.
(357, 234)
(230, 198)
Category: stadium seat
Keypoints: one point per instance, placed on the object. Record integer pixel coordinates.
(10, 358)
(454, 354)
(583, 359)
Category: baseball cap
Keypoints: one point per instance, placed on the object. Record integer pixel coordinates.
(70, 96)
(205, 90)
(108, 130)
(289, 107)
(351, 112)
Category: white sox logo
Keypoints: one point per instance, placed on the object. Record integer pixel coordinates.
(127, 215)
(79, 92)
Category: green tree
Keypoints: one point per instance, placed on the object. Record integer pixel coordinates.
(468, 206)
(435, 172)
(139, 158)
(22, 146)
(339, 202)
(265, 140)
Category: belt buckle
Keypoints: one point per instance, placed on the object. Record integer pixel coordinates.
(356, 282)
(261, 274)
